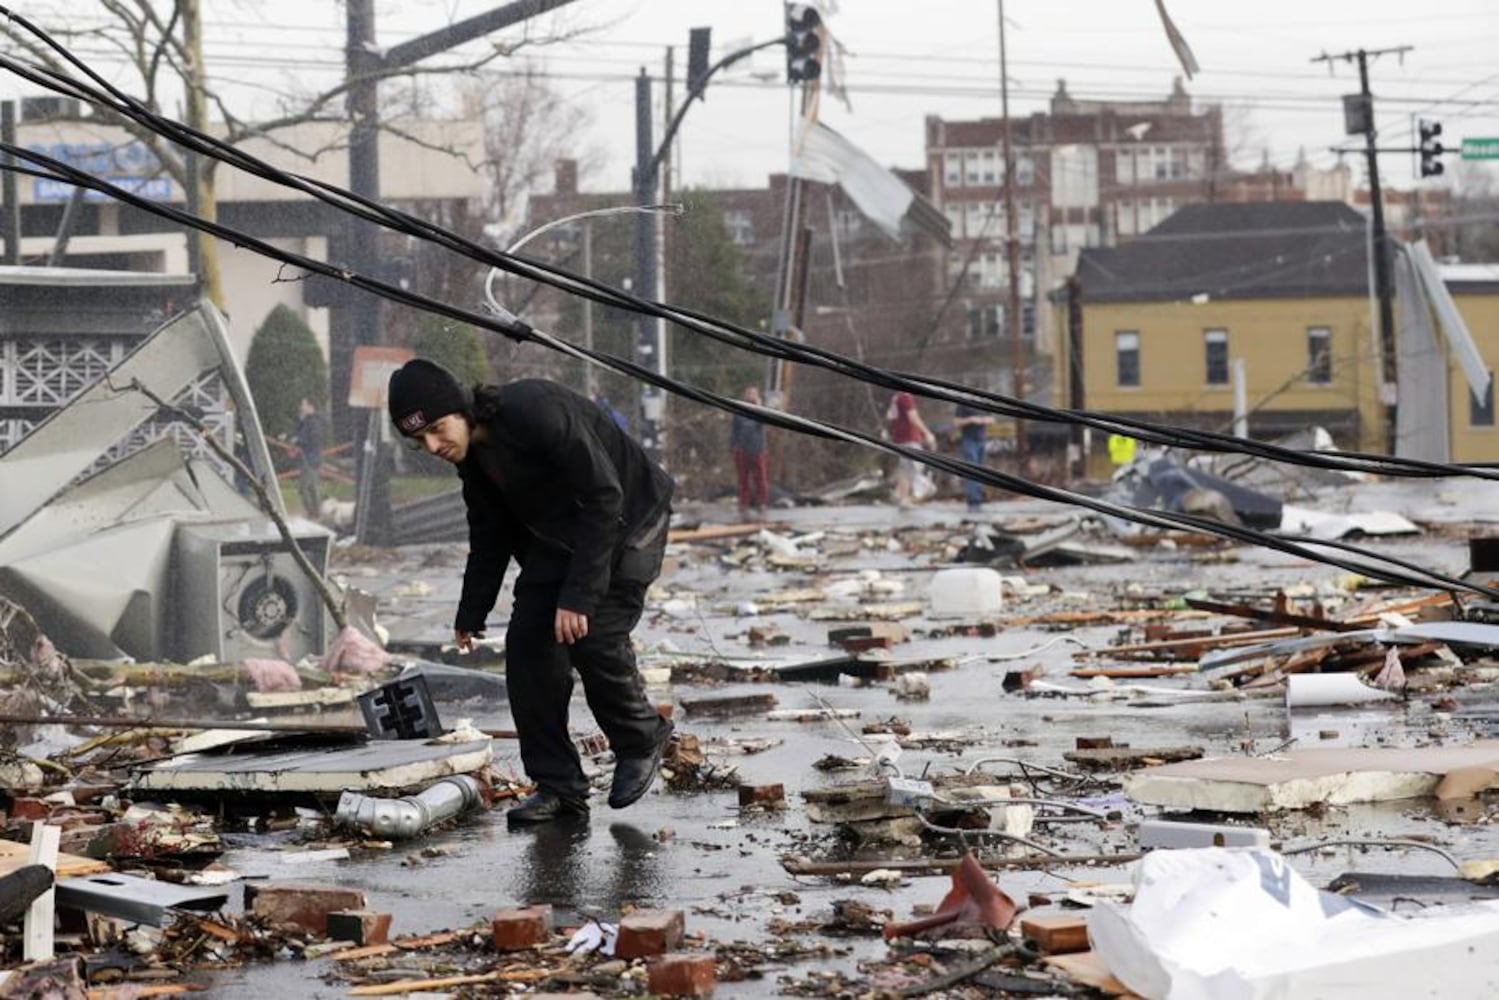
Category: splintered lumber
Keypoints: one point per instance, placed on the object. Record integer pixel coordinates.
(1272, 615)
(1370, 615)
(14, 855)
(1056, 933)
(1123, 758)
(1183, 649)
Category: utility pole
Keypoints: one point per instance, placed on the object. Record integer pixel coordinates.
(1358, 111)
(11, 223)
(203, 249)
(357, 320)
(590, 376)
(648, 335)
(1012, 249)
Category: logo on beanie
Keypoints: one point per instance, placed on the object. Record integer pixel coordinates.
(413, 422)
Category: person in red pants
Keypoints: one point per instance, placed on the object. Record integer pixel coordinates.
(751, 460)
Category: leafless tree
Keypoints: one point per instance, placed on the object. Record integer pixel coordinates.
(157, 46)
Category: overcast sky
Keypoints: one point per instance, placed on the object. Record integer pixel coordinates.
(906, 60)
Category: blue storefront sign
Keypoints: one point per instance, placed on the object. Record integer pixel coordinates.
(130, 165)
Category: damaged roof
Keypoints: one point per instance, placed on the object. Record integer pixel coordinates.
(1236, 251)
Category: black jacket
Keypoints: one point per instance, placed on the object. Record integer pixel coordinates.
(557, 486)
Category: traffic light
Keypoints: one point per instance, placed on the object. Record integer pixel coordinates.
(803, 43)
(1430, 148)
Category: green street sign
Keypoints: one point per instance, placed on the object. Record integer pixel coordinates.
(1481, 149)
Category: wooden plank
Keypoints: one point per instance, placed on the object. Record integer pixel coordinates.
(713, 532)
(1192, 647)
(43, 911)
(1129, 757)
(1057, 933)
(421, 985)
(391, 947)
(1087, 968)
(1135, 672)
(14, 855)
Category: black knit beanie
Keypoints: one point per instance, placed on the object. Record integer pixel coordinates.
(421, 392)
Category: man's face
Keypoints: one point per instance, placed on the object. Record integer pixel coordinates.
(446, 437)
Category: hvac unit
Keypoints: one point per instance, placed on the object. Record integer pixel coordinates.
(240, 593)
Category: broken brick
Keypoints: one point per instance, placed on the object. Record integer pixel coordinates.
(519, 929)
(650, 932)
(682, 975)
(25, 807)
(764, 796)
(359, 927)
(1094, 742)
(303, 906)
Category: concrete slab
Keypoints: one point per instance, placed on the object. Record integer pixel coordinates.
(1300, 778)
(378, 766)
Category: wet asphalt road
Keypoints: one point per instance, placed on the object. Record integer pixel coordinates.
(723, 868)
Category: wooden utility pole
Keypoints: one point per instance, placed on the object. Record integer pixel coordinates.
(203, 248)
(1013, 320)
(1361, 119)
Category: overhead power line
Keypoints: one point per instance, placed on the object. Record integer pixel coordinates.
(107, 96)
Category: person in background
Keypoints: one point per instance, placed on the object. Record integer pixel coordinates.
(550, 480)
(751, 459)
(973, 430)
(904, 425)
(310, 429)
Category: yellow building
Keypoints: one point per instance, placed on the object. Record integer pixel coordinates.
(1158, 328)
(1475, 290)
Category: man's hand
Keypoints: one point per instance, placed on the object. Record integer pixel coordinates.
(570, 626)
(465, 640)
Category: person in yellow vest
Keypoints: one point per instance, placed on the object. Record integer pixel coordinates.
(1121, 450)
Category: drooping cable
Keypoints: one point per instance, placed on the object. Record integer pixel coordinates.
(1371, 563)
(736, 336)
(116, 101)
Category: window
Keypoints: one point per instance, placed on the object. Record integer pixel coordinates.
(740, 227)
(1127, 357)
(954, 219)
(1319, 355)
(972, 168)
(1482, 414)
(848, 223)
(1025, 171)
(952, 169)
(1215, 351)
(984, 323)
(990, 177)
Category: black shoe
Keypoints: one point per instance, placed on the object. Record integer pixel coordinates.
(19, 888)
(633, 775)
(545, 807)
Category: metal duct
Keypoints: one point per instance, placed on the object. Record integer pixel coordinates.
(409, 816)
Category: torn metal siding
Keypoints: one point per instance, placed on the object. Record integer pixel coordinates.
(155, 519)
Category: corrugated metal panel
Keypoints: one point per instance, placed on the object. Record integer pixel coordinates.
(440, 518)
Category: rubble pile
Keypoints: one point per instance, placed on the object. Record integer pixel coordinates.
(939, 758)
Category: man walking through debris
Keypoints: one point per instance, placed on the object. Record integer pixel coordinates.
(550, 480)
(751, 460)
(310, 458)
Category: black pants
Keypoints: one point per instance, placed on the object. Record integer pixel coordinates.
(539, 674)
